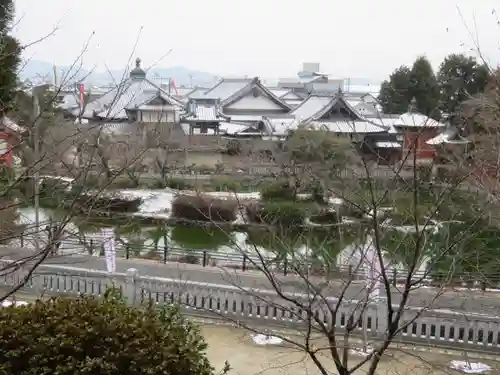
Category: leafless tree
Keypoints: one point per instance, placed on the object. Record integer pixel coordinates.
(362, 277)
(69, 158)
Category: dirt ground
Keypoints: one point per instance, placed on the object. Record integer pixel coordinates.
(246, 358)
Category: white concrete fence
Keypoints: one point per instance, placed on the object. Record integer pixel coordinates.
(264, 307)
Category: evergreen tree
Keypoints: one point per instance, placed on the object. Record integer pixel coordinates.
(424, 87)
(10, 52)
(86, 335)
(395, 93)
(460, 77)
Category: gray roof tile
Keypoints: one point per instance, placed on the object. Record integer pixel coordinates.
(129, 94)
(205, 112)
(311, 106)
(227, 87)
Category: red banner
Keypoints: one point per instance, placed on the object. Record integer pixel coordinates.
(81, 89)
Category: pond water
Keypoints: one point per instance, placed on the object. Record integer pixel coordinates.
(134, 239)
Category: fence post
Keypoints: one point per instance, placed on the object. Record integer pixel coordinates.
(165, 247)
(22, 239)
(394, 277)
(127, 251)
(285, 266)
(205, 258)
(130, 291)
(244, 264)
(91, 248)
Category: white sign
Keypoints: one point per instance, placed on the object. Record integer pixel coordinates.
(373, 272)
(108, 235)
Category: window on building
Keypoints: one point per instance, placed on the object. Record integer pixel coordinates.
(4, 147)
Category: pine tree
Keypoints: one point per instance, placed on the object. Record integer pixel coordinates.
(395, 93)
(424, 87)
(10, 57)
(460, 77)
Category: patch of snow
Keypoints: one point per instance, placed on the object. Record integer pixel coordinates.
(153, 201)
(158, 203)
(231, 195)
(335, 201)
(361, 352)
(261, 339)
(347, 220)
(469, 367)
(381, 212)
(15, 303)
(67, 180)
(304, 196)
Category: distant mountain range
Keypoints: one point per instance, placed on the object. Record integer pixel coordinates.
(43, 72)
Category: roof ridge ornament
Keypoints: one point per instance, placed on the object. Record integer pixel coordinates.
(137, 72)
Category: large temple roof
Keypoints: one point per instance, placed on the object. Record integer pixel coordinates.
(131, 93)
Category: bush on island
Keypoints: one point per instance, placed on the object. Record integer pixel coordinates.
(204, 208)
(325, 217)
(227, 185)
(104, 202)
(278, 190)
(284, 214)
(178, 184)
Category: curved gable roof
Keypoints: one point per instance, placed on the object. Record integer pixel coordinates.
(129, 94)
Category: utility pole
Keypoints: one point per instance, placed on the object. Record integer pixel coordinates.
(36, 174)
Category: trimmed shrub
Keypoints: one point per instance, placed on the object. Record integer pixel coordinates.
(204, 169)
(204, 208)
(159, 184)
(50, 187)
(227, 185)
(124, 182)
(278, 190)
(54, 192)
(88, 335)
(92, 180)
(317, 192)
(325, 217)
(7, 175)
(111, 203)
(254, 211)
(284, 214)
(178, 184)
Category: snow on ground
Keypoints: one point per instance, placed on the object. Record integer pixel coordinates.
(159, 202)
(469, 367)
(16, 303)
(261, 339)
(153, 201)
(361, 352)
(335, 201)
(231, 195)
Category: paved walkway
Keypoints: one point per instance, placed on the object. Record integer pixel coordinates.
(458, 300)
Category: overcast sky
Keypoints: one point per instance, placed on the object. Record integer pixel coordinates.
(267, 38)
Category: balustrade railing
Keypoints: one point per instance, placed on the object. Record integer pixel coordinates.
(266, 307)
